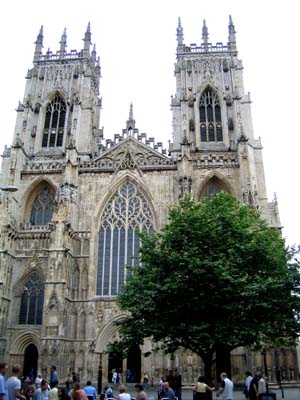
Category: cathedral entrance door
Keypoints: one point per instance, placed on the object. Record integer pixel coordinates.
(115, 363)
(30, 361)
(134, 368)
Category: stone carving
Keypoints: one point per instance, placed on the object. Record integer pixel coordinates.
(185, 186)
(67, 193)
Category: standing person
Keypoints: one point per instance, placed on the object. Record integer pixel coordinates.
(53, 393)
(262, 384)
(68, 383)
(253, 388)
(90, 391)
(53, 376)
(141, 394)
(178, 385)
(201, 388)
(122, 393)
(42, 392)
(114, 377)
(3, 386)
(226, 389)
(78, 393)
(14, 385)
(29, 392)
(168, 391)
(171, 379)
(38, 381)
(146, 379)
(247, 384)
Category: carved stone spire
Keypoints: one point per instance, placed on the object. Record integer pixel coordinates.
(130, 123)
(38, 45)
(179, 34)
(87, 41)
(63, 44)
(205, 35)
(231, 37)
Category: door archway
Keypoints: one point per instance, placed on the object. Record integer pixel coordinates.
(31, 356)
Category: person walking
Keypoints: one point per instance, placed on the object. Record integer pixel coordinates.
(262, 384)
(226, 388)
(14, 385)
(141, 394)
(201, 388)
(53, 393)
(90, 391)
(122, 393)
(53, 376)
(42, 392)
(3, 385)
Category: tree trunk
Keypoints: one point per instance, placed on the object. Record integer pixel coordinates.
(208, 362)
(223, 361)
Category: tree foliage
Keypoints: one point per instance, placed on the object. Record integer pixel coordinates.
(217, 275)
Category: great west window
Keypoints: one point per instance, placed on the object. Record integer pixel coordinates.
(126, 213)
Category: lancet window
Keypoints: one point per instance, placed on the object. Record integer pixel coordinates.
(126, 213)
(210, 117)
(54, 123)
(42, 208)
(32, 301)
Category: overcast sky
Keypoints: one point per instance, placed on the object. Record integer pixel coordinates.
(136, 42)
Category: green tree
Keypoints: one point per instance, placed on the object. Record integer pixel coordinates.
(217, 277)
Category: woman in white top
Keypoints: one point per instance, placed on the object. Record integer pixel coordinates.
(122, 393)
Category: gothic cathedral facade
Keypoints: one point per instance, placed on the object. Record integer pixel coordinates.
(69, 230)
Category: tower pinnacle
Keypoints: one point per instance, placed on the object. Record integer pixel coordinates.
(130, 123)
(179, 33)
(87, 41)
(38, 45)
(205, 34)
(63, 44)
(231, 37)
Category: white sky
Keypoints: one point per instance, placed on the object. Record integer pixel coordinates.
(136, 42)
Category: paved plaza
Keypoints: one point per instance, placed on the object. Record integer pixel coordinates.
(287, 393)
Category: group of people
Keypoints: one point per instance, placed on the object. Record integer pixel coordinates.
(255, 385)
(202, 391)
(13, 388)
(171, 386)
(124, 395)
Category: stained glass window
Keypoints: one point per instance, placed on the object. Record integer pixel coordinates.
(32, 301)
(42, 208)
(54, 123)
(210, 117)
(126, 213)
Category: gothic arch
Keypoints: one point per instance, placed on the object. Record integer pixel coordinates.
(23, 340)
(105, 335)
(18, 286)
(115, 186)
(33, 190)
(214, 178)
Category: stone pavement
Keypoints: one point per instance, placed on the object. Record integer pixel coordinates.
(287, 393)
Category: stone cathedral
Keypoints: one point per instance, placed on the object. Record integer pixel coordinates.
(69, 231)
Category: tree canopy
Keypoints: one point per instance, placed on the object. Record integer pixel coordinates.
(217, 275)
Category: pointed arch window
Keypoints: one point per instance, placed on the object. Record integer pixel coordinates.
(54, 123)
(42, 208)
(213, 186)
(210, 117)
(126, 212)
(32, 301)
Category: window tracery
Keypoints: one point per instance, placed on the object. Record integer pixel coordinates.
(54, 123)
(210, 117)
(42, 208)
(32, 301)
(126, 213)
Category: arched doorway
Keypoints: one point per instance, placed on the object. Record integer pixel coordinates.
(134, 366)
(115, 363)
(30, 361)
